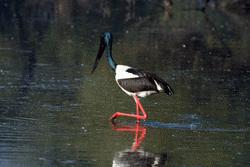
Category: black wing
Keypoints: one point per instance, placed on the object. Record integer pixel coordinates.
(138, 84)
(151, 77)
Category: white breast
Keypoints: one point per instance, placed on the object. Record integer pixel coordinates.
(121, 72)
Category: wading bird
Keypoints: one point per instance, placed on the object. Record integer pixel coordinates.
(134, 82)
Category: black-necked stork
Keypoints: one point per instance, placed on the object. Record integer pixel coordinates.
(134, 82)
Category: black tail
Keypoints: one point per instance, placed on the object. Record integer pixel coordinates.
(166, 87)
(168, 90)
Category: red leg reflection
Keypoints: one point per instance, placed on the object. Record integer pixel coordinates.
(137, 115)
(140, 133)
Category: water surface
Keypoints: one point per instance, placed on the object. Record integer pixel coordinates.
(53, 112)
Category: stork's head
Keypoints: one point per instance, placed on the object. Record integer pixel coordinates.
(105, 40)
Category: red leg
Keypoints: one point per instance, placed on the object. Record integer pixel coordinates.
(137, 115)
(139, 107)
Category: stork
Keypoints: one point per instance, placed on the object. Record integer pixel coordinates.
(133, 81)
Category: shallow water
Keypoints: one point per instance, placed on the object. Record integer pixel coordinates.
(53, 112)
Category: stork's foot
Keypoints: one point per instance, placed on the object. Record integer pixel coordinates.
(114, 116)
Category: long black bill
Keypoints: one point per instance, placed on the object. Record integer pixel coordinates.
(99, 54)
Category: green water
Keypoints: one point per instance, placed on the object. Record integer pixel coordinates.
(53, 112)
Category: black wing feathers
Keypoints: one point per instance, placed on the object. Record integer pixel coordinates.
(150, 77)
(136, 71)
(138, 84)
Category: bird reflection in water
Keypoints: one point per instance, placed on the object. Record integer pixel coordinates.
(136, 156)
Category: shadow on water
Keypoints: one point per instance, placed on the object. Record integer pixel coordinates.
(192, 126)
